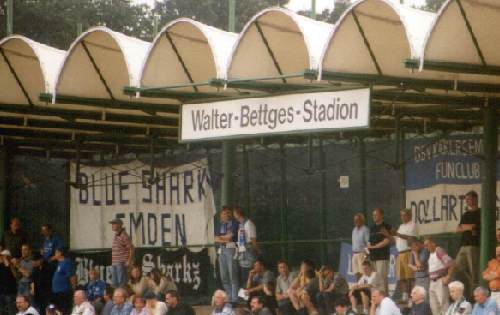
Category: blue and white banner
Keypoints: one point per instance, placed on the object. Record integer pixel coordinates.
(439, 172)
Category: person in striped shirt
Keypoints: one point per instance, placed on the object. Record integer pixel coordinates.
(122, 254)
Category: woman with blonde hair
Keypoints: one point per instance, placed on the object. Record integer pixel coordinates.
(138, 284)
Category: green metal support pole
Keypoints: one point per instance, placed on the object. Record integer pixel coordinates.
(323, 203)
(362, 173)
(10, 17)
(284, 202)
(489, 185)
(313, 9)
(246, 180)
(228, 148)
(402, 168)
(3, 188)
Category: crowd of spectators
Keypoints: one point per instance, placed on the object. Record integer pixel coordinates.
(33, 282)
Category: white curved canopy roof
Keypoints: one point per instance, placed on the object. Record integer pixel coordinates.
(186, 50)
(34, 64)
(117, 56)
(295, 42)
(393, 32)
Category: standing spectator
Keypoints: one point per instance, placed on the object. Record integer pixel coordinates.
(175, 307)
(160, 284)
(221, 304)
(23, 306)
(382, 305)
(153, 306)
(50, 242)
(342, 308)
(81, 305)
(122, 253)
(7, 284)
(138, 284)
(497, 236)
(439, 272)
(460, 306)
(419, 258)
(258, 277)
(95, 290)
(226, 239)
(63, 282)
(492, 275)
(361, 292)
(360, 241)
(42, 281)
(484, 304)
(247, 243)
(257, 306)
(467, 258)
(108, 301)
(283, 283)
(14, 238)
(406, 231)
(139, 306)
(25, 269)
(380, 245)
(120, 304)
(419, 305)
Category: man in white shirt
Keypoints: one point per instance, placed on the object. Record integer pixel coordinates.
(406, 231)
(382, 305)
(247, 243)
(82, 306)
(23, 306)
(361, 291)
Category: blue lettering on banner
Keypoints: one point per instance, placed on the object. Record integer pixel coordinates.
(152, 228)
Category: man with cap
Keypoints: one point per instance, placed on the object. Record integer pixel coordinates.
(122, 253)
(8, 287)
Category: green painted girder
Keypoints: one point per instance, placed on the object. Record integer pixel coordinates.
(453, 102)
(405, 82)
(115, 139)
(166, 93)
(56, 153)
(107, 103)
(453, 67)
(87, 126)
(270, 87)
(72, 114)
(426, 112)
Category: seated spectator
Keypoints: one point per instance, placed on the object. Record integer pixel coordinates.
(8, 287)
(382, 305)
(52, 309)
(221, 304)
(138, 283)
(361, 291)
(81, 305)
(419, 263)
(326, 289)
(257, 306)
(460, 306)
(107, 300)
(419, 305)
(160, 284)
(23, 306)
(95, 290)
(298, 286)
(283, 283)
(153, 306)
(492, 276)
(342, 308)
(257, 277)
(484, 304)
(174, 305)
(139, 306)
(120, 304)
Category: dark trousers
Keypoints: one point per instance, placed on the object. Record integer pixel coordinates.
(7, 304)
(63, 301)
(325, 302)
(286, 308)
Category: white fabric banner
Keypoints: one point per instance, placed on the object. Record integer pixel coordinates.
(176, 209)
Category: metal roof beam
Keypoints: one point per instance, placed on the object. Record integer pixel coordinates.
(179, 95)
(453, 67)
(453, 102)
(16, 77)
(105, 103)
(101, 115)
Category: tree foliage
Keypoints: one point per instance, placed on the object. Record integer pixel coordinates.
(433, 5)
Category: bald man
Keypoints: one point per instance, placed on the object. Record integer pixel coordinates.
(82, 306)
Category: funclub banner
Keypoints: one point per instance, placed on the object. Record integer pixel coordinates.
(439, 172)
(189, 270)
(173, 208)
